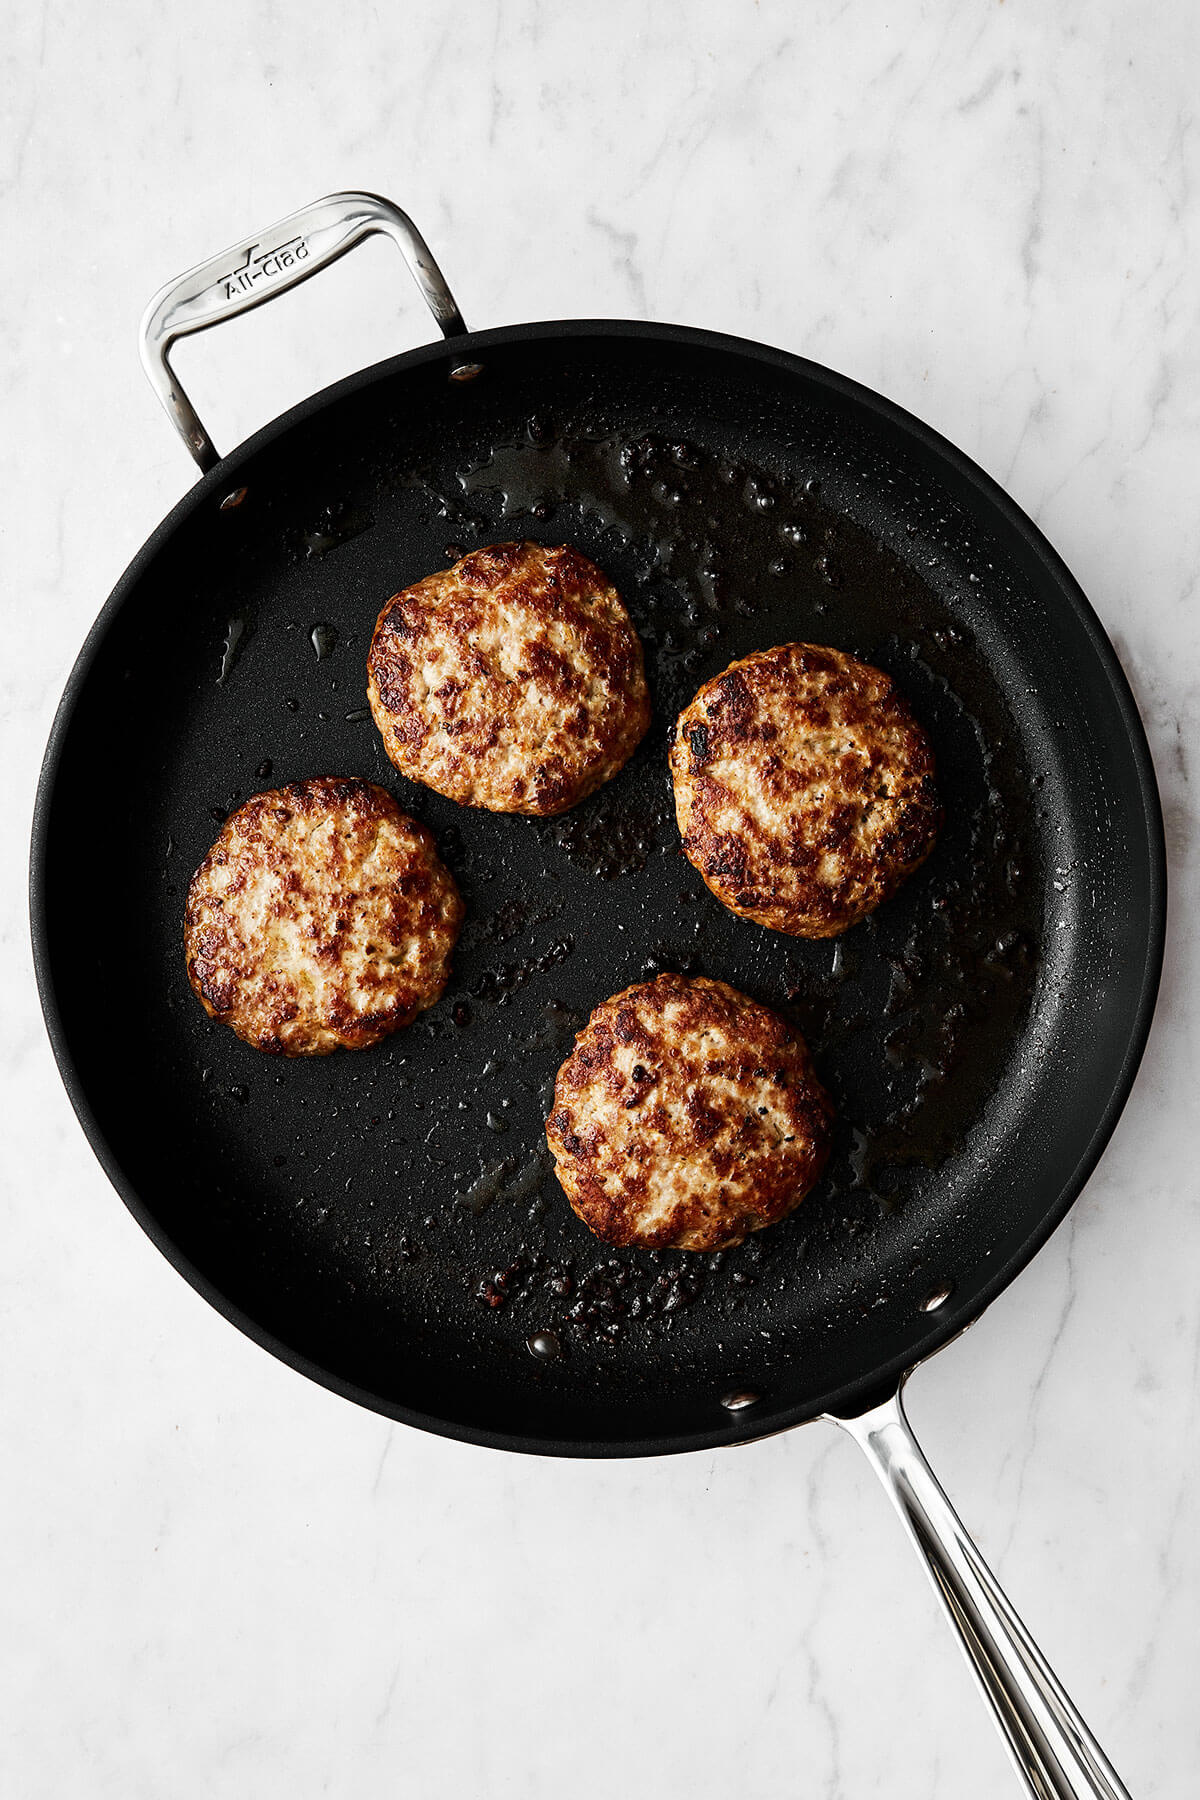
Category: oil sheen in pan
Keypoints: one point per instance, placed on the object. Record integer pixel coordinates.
(911, 1031)
(404, 1190)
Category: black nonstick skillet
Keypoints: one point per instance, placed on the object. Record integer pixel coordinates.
(387, 1222)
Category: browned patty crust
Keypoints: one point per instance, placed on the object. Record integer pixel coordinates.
(804, 788)
(321, 919)
(686, 1116)
(513, 681)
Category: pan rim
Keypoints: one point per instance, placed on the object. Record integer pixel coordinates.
(758, 1421)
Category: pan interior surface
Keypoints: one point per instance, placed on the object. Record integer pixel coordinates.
(388, 1220)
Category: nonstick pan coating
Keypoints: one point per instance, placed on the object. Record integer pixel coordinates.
(388, 1220)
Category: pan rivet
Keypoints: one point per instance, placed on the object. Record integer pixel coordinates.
(939, 1297)
(740, 1399)
(466, 371)
(234, 499)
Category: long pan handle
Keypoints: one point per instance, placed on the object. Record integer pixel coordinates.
(1052, 1749)
(261, 267)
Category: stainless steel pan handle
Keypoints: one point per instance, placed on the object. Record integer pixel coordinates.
(261, 267)
(1052, 1749)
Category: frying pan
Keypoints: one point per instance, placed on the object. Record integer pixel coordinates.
(387, 1222)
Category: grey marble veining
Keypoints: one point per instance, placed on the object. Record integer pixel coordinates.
(220, 1580)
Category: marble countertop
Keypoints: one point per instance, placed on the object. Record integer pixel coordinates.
(219, 1579)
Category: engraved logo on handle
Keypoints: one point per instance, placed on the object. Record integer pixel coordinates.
(253, 269)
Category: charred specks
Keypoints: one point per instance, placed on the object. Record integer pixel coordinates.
(615, 833)
(502, 981)
(697, 737)
(601, 1303)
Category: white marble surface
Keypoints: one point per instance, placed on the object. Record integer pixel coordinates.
(218, 1580)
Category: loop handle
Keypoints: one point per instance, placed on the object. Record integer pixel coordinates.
(259, 268)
